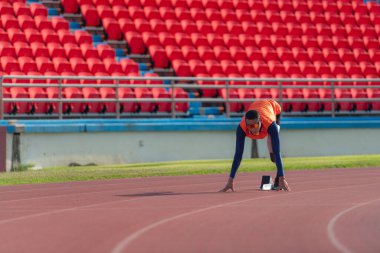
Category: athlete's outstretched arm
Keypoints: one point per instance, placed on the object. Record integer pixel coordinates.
(239, 149)
(275, 141)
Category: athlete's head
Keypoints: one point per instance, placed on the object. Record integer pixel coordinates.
(252, 121)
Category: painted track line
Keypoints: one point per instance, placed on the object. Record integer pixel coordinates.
(330, 227)
(123, 244)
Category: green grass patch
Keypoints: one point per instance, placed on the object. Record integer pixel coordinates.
(84, 173)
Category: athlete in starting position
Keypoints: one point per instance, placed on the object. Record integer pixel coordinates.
(261, 120)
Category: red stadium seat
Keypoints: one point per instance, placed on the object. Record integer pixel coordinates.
(9, 64)
(70, 6)
(213, 67)
(312, 94)
(158, 26)
(6, 9)
(246, 40)
(9, 21)
(56, 50)
(322, 67)
(16, 35)
(61, 65)
(129, 66)
(105, 51)
(72, 51)
(21, 8)
(79, 65)
(215, 40)
(190, 52)
(88, 51)
(26, 22)
(50, 36)
(150, 39)
(206, 53)
(159, 56)
(291, 67)
(38, 9)
(254, 53)
(104, 10)
(343, 105)
(269, 53)
(112, 66)
(174, 52)
(330, 54)
(82, 37)
(142, 25)
(244, 67)
(90, 15)
(181, 68)
(59, 23)
(127, 107)
(112, 28)
(7, 49)
(222, 53)
(346, 54)
(45, 65)
(65, 36)
(374, 93)
(27, 64)
(204, 27)
(189, 26)
(135, 42)
(23, 49)
(96, 65)
(20, 107)
(199, 39)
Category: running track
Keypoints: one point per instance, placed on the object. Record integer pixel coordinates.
(327, 211)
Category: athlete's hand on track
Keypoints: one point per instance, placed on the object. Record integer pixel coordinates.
(283, 185)
(229, 185)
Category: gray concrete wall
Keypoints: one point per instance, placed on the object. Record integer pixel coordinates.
(61, 149)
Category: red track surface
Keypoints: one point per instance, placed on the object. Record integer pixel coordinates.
(327, 211)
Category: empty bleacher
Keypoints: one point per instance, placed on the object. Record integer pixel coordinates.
(196, 38)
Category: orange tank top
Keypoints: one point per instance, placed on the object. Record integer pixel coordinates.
(267, 109)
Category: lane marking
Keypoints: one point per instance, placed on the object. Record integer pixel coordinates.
(330, 226)
(123, 244)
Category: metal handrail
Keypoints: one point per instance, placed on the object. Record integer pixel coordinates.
(190, 83)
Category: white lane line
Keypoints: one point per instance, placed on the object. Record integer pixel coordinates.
(109, 182)
(2, 222)
(330, 226)
(123, 244)
(293, 178)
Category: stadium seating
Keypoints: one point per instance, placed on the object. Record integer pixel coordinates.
(197, 38)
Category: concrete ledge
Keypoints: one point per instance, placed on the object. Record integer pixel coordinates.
(192, 124)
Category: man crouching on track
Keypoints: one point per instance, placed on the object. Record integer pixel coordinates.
(262, 119)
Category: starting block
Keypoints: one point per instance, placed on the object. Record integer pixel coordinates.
(266, 183)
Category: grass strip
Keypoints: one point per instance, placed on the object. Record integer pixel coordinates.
(85, 173)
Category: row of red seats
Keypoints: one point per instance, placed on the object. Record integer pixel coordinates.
(40, 23)
(273, 67)
(282, 16)
(31, 35)
(116, 26)
(85, 93)
(53, 49)
(322, 6)
(249, 27)
(18, 8)
(308, 106)
(93, 66)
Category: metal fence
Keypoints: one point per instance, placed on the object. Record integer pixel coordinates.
(227, 89)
